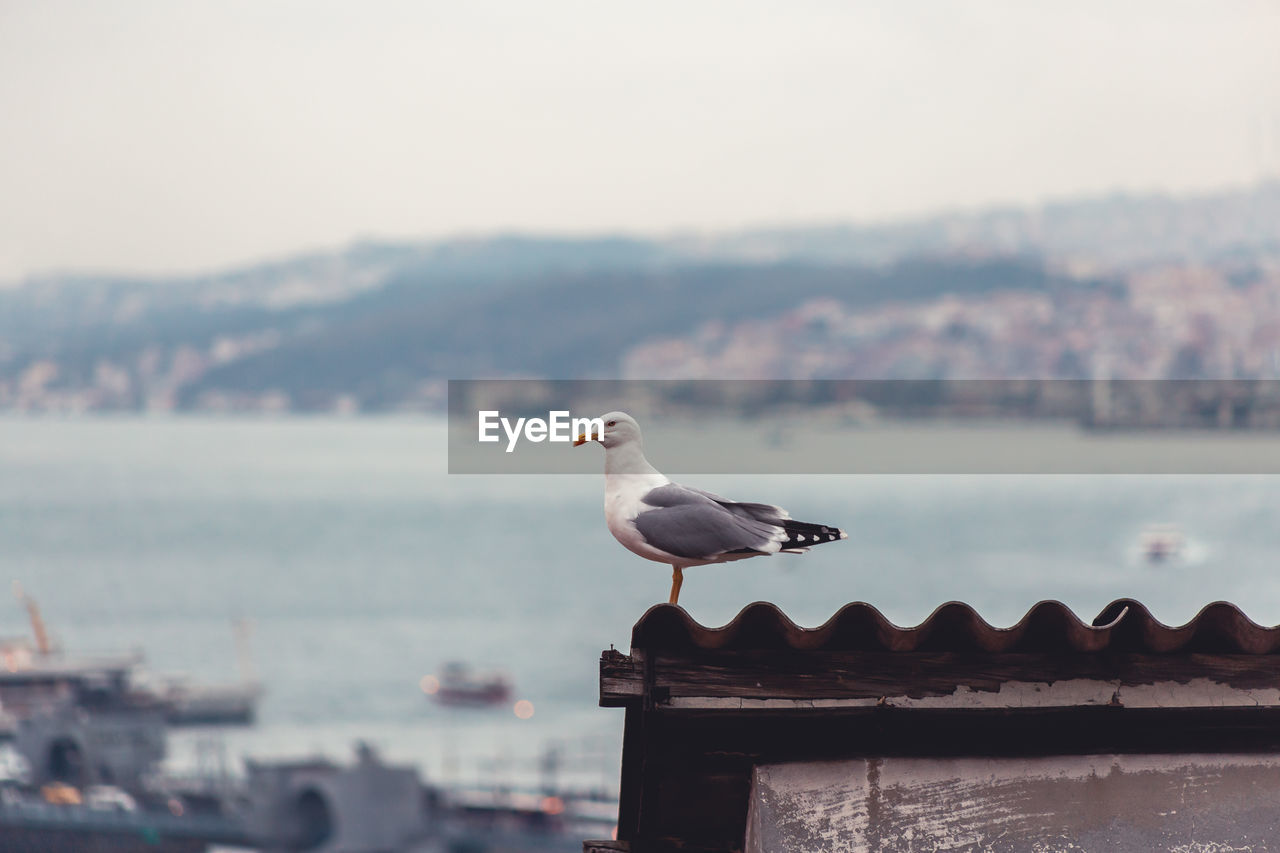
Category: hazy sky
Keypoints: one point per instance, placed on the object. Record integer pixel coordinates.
(168, 135)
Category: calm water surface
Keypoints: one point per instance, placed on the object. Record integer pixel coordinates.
(363, 565)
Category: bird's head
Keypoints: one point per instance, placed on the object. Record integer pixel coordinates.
(619, 428)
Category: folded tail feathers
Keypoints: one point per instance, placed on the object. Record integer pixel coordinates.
(801, 535)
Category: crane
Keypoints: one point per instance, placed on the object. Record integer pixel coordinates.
(43, 646)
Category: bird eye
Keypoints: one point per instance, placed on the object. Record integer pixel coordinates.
(611, 423)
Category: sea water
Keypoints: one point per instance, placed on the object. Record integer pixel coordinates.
(361, 566)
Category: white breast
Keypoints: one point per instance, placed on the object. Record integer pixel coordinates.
(622, 503)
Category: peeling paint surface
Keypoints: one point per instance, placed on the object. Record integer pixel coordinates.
(1187, 803)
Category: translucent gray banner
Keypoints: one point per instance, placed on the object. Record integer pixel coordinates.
(509, 426)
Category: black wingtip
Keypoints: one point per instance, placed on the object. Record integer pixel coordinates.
(803, 534)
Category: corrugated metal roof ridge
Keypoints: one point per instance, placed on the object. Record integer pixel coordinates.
(1049, 626)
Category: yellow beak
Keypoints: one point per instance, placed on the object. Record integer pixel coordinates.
(583, 438)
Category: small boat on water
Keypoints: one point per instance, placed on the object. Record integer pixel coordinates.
(187, 703)
(1161, 543)
(457, 685)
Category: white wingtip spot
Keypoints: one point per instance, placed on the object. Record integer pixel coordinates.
(799, 537)
(844, 535)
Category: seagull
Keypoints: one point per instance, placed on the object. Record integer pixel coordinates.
(683, 526)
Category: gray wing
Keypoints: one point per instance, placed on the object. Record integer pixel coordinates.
(764, 512)
(694, 524)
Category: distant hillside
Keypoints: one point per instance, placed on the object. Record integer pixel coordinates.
(376, 322)
(45, 311)
(570, 326)
(1109, 233)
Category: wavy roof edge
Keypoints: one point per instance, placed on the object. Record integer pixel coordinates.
(1123, 625)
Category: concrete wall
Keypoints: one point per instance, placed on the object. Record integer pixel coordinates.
(1185, 803)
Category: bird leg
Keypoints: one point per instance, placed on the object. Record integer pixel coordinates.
(677, 578)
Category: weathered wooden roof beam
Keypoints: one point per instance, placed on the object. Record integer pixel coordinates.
(708, 707)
